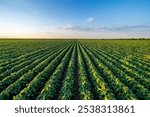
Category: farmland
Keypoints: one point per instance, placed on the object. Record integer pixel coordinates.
(75, 69)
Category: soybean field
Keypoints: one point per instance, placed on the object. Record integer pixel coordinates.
(74, 69)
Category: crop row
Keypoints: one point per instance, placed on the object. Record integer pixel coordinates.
(76, 69)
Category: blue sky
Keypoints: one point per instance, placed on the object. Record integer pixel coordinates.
(75, 18)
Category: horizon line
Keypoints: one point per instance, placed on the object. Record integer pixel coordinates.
(22, 38)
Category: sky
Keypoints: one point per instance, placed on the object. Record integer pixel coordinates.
(74, 18)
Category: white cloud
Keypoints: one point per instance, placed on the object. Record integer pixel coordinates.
(75, 27)
(98, 28)
(131, 28)
(70, 30)
(67, 27)
(90, 19)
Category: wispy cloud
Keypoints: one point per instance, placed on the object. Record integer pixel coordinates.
(75, 27)
(130, 28)
(105, 28)
(89, 19)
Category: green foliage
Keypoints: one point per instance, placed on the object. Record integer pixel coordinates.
(75, 69)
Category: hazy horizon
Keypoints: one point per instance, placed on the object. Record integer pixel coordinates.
(98, 19)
